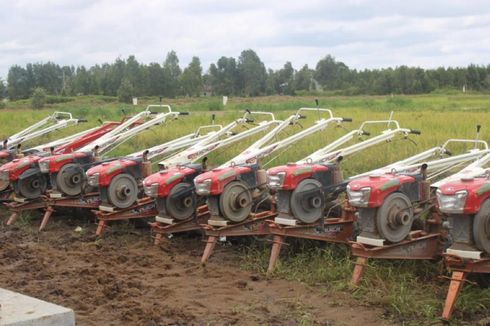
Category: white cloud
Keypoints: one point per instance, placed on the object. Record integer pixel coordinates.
(363, 34)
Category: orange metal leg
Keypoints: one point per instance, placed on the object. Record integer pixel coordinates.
(358, 270)
(209, 249)
(277, 242)
(12, 218)
(46, 217)
(455, 286)
(101, 227)
(158, 239)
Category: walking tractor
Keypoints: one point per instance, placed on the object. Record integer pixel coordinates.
(27, 175)
(135, 167)
(465, 200)
(173, 177)
(233, 189)
(306, 192)
(397, 215)
(23, 177)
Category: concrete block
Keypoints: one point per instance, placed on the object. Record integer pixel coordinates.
(21, 310)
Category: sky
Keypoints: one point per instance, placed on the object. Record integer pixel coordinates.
(362, 34)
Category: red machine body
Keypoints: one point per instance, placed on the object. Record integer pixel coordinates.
(478, 190)
(167, 179)
(295, 173)
(18, 166)
(108, 170)
(56, 162)
(381, 186)
(17, 170)
(220, 177)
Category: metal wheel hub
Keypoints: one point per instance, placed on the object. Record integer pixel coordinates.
(315, 202)
(398, 217)
(181, 202)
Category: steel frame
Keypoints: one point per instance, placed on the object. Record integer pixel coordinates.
(254, 225)
(460, 268)
(328, 229)
(192, 224)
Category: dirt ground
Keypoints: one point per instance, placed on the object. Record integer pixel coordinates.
(123, 279)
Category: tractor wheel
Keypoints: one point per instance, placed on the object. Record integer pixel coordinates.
(307, 209)
(395, 217)
(481, 227)
(123, 191)
(33, 186)
(181, 201)
(236, 201)
(70, 179)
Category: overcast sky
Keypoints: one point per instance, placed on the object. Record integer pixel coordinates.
(362, 34)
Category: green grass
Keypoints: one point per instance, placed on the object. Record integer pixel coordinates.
(410, 292)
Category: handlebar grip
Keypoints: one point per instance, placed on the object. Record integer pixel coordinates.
(415, 131)
(82, 120)
(184, 113)
(448, 152)
(247, 120)
(302, 116)
(367, 133)
(347, 119)
(478, 127)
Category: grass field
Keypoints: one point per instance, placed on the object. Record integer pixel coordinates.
(410, 292)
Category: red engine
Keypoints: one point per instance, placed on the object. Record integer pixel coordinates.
(231, 191)
(173, 190)
(467, 204)
(386, 204)
(302, 191)
(118, 180)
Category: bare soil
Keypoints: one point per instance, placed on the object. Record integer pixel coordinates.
(123, 279)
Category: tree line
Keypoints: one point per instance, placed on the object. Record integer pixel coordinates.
(244, 76)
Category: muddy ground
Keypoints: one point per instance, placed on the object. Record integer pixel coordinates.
(123, 279)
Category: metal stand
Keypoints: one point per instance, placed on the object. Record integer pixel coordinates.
(86, 201)
(460, 268)
(336, 230)
(16, 208)
(144, 208)
(254, 225)
(194, 223)
(420, 245)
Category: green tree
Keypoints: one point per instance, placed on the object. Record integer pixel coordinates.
(302, 80)
(18, 83)
(156, 79)
(38, 98)
(332, 74)
(252, 73)
(3, 89)
(191, 78)
(125, 92)
(172, 73)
